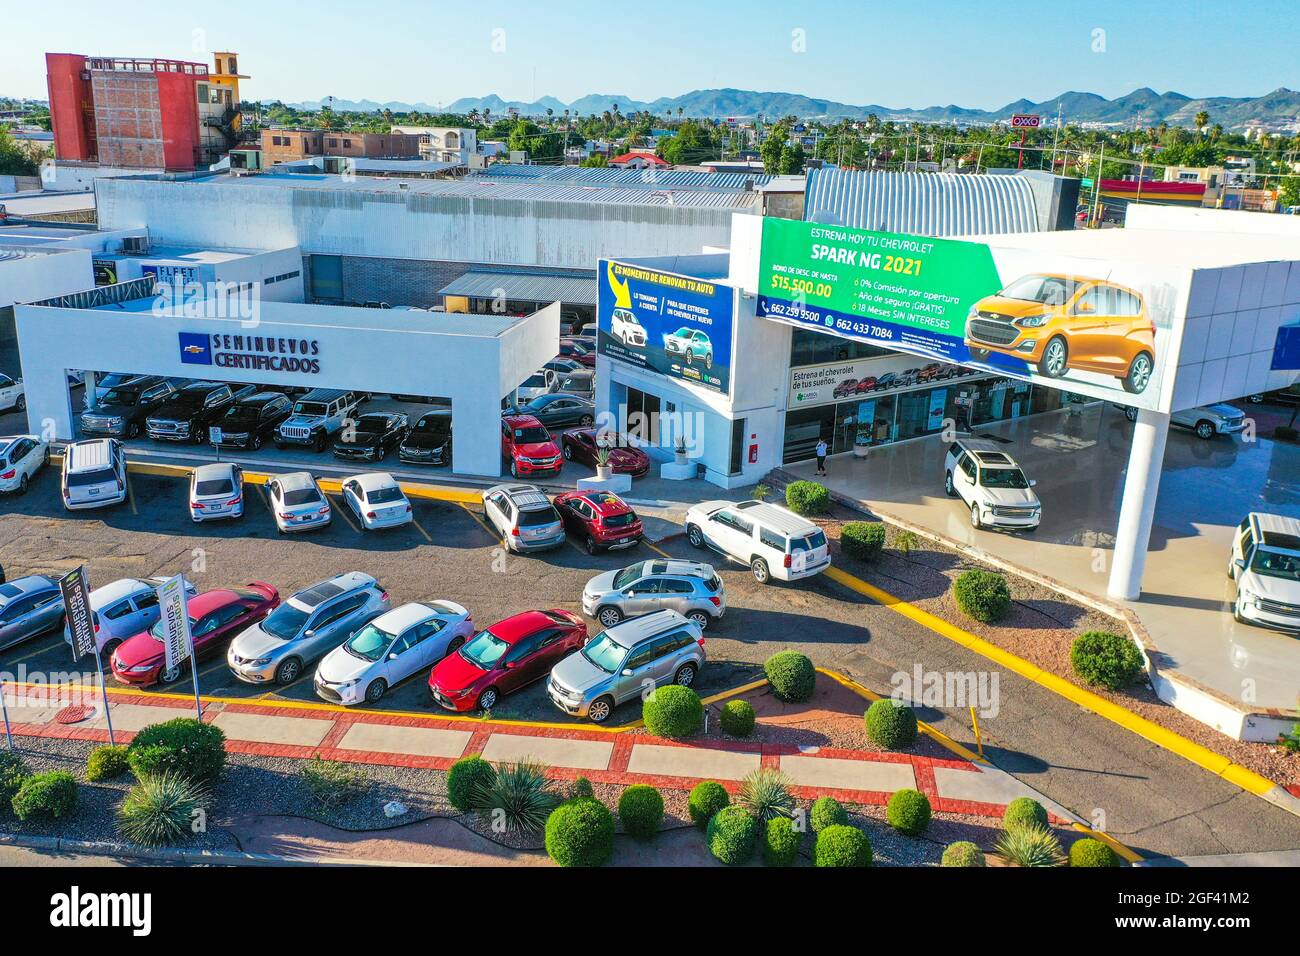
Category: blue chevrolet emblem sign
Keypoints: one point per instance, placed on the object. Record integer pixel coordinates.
(195, 349)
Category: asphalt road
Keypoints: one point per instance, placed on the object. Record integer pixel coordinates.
(1150, 799)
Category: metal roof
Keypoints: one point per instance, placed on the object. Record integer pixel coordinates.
(927, 204)
(636, 178)
(528, 287)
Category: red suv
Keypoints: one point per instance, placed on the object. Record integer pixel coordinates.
(603, 520)
(529, 446)
(505, 657)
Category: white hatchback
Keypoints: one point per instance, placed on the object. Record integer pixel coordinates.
(216, 491)
(377, 501)
(21, 456)
(297, 502)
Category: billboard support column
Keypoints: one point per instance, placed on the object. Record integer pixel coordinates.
(1138, 507)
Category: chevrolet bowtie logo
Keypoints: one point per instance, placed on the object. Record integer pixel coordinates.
(194, 349)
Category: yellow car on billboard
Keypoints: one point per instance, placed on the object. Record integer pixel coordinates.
(1060, 323)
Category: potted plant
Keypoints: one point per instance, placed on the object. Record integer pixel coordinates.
(602, 463)
(680, 451)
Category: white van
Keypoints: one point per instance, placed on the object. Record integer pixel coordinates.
(774, 541)
(94, 474)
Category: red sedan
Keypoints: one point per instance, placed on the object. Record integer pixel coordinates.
(579, 444)
(578, 352)
(215, 617)
(601, 519)
(505, 657)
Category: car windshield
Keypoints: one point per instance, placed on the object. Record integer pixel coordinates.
(605, 653)
(372, 423)
(285, 622)
(629, 575)
(96, 477)
(484, 650)
(384, 496)
(310, 409)
(1275, 564)
(1049, 290)
(630, 318)
(436, 425)
(1003, 478)
(213, 486)
(190, 400)
(302, 496)
(239, 414)
(809, 542)
(369, 643)
(683, 333)
(531, 435)
(120, 396)
(535, 381)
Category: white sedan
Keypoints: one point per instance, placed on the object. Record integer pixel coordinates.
(216, 491)
(377, 501)
(21, 456)
(394, 646)
(297, 502)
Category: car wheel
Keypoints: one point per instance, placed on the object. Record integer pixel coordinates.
(600, 709)
(948, 488)
(978, 355)
(1139, 374)
(591, 545)
(109, 647)
(375, 691)
(568, 453)
(256, 442)
(1205, 430)
(586, 420)
(1053, 364)
(685, 675)
(1131, 414)
(288, 671)
(488, 699)
(133, 430)
(514, 468)
(456, 644)
(170, 675)
(318, 443)
(695, 536)
(21, 404)
(975, 521)
(200, 436)
(701, 618)
(609, 616)
(690, 357)
(758, 567)
(708, 360)
(22, 485)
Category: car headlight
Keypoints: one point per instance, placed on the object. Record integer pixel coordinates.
(142, 668)
(259, 662)
(347, 684)
(1032, 321)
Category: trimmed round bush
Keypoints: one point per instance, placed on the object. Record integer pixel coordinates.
(807, 498)
(737, 718)
(863, 540)
(1090, 852)
(827, 812)
(673, 712)
(106, 763)
(467, 777)
(705, 800)
(890, 724)
(13, 771)
(182, 745)
(962, 853)
(580, 832)
(1023, 812)
(732, 835)
(908, 812)
(1108, 660)
(46, 796)
(983, 595)
(641, 808)
(781, 842)
(842, 845)
(582, 788)
(791, 676)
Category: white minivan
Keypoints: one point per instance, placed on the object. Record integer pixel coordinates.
(774, 541)
(94, 474)
(1265, 563)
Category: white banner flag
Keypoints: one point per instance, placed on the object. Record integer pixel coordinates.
(172, 601)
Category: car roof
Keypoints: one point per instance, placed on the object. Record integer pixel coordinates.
(374, 480)
(201, 604)
(28, 584)
(606, 502)
(295, 480)
(988, 452)
(400, 618)
(322, 395)
(87, 455)
(681, 568)
(315, 595)
(117, 590)
(217, 469)
(200, 386)
(8, 441)
(1277, 531)
(520, 625)
(776, 517)
(436, 413)
(633, 632)
(260, 398)
(522, 421)
(525, 497)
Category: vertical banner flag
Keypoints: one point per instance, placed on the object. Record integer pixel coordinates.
(178, 642)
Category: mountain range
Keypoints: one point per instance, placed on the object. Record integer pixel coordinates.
(1143, 107)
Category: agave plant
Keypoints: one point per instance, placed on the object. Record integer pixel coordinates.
(602, 457)
(518, 799)
(1030, 845)
(161, 809)
(765, 793)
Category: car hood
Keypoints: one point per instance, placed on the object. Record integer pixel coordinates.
(577, 673)
(1015, 497)
(100, 409)
(1226, 411)
(626, 456)
(425, 440)
(1274, 589)
(541, 449)
(453, 673)
(254, 642)
(302, 421)
(338, 665)
(143, 648)
(1015, 308)
(601, 583)
(360, 439)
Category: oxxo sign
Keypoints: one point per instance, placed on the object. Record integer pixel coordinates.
(263, 353)
(1026, 121)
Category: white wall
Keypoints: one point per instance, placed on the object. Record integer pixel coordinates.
(42, 276)
(63, 178)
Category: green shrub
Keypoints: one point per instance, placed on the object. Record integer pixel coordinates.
(737, 718)
(1090, 852)
(962, 853)
(863, 540)
(807, 498)
(182, 745)
(106, 763)
(983, 595)
(160, 810)
(765, 793)
(46, 796)
(781, 842)
(673, 712)
(1024, 812)
(791, 676)
(705, 800)
(890, 724)
(842, 845)
(1109, 660)
(518, 797)
(332, 783)
(580, 832)
(466, 776)
(732, 835)
(582, 788)
(908, 812)
(13, 771)
(827, 812)
(1030, 845)
(641, 808)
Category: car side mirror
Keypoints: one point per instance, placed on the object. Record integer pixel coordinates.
(392, 657)
(508, 665)
(1085, 308)
(1240, 564)
(1033, 482)
(309, 633)
(627, 672)
(627, 593)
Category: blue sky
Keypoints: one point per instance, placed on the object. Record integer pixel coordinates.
(890, 52)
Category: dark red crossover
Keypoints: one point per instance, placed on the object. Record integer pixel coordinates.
(600, 519)
(580, 445)
(505, 657)
(215, 617)
(578, 352)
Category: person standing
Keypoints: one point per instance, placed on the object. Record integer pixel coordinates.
(821, 456)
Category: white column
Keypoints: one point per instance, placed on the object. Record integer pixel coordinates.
(1138, 507)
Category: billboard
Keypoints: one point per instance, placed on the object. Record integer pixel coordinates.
(1102, 328)
(869, 378)
(676, 325)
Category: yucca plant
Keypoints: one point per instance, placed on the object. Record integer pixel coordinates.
(1030, 845)
(518, 799)
(765, 793)
(160, 809)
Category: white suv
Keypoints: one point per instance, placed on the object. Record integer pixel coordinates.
(1265, 563)
(94, 474)
(991, 485)
(774, 541)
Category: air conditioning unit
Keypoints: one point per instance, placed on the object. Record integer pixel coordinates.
(135, 245)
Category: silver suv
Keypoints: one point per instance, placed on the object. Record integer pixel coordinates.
(523, 516)
(690, 588)
(626, 661)
(305, 628)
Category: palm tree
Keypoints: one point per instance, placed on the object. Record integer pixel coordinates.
(1202, 120)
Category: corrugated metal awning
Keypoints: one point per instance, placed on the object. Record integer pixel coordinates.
(526, 287)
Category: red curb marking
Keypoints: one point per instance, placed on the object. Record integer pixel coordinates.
(925, 780)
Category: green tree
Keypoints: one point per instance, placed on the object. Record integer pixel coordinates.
(13, 161)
